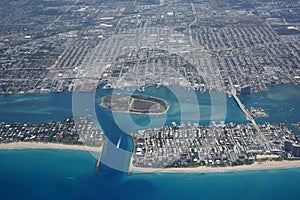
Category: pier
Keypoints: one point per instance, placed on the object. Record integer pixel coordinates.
(98, 164)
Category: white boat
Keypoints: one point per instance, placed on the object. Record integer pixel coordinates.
(119, 142)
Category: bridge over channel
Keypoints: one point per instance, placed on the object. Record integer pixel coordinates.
(248, 115)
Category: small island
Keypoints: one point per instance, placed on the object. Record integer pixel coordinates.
(138, 104)
(257, 112)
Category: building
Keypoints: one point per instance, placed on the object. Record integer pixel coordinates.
(288, 145)
(245, 89)
(296, 150)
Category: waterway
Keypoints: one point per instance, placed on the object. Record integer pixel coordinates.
(64, 174)
(281, 103)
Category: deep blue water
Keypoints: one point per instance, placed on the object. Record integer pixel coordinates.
(63, 174)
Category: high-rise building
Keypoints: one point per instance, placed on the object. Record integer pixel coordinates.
(296, 150)
(288, 145)
(245, 89)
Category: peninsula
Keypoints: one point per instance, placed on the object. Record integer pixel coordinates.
(215, 148)
(66, 134)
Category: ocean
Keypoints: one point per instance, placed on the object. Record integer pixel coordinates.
(66, 174)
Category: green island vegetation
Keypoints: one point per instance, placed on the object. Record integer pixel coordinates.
(138, 104)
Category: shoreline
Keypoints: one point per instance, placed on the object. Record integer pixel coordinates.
(41, 145)
(257, 166)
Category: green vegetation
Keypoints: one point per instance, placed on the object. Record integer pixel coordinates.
(134, 104)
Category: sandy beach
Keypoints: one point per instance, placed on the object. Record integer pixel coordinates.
(256, 166)
(40, 145)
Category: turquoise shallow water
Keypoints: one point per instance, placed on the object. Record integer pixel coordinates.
(35, 108)
(63, 174)
(184, 106)
(281, 102)
(39, 108)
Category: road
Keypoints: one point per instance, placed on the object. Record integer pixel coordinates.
(248, 116)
